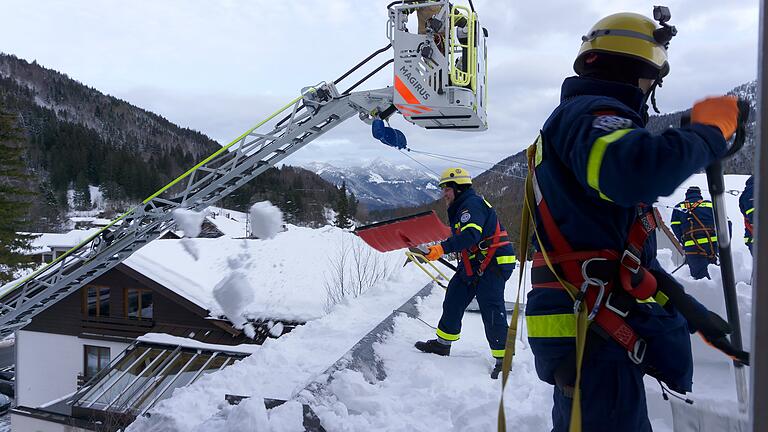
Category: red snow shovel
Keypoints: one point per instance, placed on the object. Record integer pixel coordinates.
(410, 232)
(404, 232)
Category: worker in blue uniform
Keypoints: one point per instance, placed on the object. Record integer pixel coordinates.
(486, 261)
(693, 222)
(593, 173)
(747, 207)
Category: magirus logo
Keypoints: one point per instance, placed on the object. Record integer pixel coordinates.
(414, 82)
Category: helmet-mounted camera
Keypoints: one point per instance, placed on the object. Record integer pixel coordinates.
(666, 32)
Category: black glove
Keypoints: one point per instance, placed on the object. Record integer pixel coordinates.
(714, 330)
(710, 326)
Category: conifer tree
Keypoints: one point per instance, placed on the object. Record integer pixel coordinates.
(14, 201)
(342, 208)
(82, 198)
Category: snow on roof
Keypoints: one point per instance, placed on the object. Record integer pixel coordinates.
(286, 273)
(48, 241)
(96, 221)
(166, 339)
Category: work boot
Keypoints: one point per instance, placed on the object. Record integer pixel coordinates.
(497, 368)
(434, 346)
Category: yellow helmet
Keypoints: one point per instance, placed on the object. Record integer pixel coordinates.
(459, 176)
(629, 35)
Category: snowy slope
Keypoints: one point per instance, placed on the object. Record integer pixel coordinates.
(422, 392)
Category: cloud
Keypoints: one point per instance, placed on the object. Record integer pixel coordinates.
(219, 67)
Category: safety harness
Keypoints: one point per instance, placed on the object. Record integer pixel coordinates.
(694, 240)
(607, 306)
(596, 273)
(487, 246)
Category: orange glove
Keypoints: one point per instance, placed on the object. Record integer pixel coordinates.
(435, 252)
(720, 111)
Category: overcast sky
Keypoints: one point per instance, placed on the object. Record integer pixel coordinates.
(221, 66)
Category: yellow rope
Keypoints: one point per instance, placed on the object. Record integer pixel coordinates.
(582, 322)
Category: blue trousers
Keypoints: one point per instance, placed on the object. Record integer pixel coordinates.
(698, 266)
(612, 399)
(489, 291)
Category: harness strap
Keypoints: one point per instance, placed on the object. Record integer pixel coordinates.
(607, 314)
(634, 278)
(496, 243)
(488, 245)
(748, 226)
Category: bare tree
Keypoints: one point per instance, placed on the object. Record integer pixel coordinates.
(354, 269)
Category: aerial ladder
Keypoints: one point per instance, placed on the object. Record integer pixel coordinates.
(439, 82)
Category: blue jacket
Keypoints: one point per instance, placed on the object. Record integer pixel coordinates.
(595, 163)
(747, 206)
(472, 219)
(693, 222)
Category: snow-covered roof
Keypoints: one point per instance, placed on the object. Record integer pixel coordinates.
(95, 221)
(231, 223)
(47, 241)
(285, 274)
(166, 339)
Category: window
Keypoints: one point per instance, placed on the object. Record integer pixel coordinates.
(96, 301)
(138, 303)
(96, 359)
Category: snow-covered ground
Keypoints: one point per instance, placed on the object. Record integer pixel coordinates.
(421, 392)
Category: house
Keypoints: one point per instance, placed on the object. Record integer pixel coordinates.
(219, 222)
(168, 288)
(47, 247)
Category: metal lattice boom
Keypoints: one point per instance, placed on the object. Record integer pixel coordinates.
(315, 112)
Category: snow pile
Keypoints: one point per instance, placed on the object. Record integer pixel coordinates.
(189, 221)
(234, 294)
(251, 415)
(266, 220)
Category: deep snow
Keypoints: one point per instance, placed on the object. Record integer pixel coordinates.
(421, 392)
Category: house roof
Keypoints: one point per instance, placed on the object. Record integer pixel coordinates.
(285, 275)
(48, 241)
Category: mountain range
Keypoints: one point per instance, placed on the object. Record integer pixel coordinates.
(380, 184)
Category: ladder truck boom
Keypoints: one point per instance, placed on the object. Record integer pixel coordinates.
(428, 90)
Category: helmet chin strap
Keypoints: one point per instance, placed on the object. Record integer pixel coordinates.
(651, 93)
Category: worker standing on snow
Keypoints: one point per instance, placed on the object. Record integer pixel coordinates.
(747, 206)
(693, 222)
(590, 171)
(487, 261)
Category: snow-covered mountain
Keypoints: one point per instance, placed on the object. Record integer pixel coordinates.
(380, 184)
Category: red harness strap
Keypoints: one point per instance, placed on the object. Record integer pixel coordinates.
(635, 279)
(490, 250)
(606, 318)
(748, 226)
